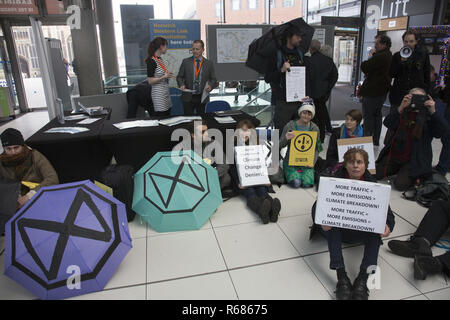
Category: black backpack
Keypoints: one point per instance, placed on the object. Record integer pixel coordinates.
(120, 179)
(435, 188)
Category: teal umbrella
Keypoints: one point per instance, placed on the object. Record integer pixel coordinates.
(176, 191)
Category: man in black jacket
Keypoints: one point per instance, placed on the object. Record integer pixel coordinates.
(408, 73)
(289, 55)
(375, 86)
(324, 76)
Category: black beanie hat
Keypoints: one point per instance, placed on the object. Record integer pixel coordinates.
(12, 137)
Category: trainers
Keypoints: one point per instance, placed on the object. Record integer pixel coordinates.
(276, 208)
(344, 289)
(411, 247)
(424, 265)
(360, 290)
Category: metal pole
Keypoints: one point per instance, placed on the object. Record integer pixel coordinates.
(361, 42)
(171, 9)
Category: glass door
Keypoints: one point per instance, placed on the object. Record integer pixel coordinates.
(7, 81)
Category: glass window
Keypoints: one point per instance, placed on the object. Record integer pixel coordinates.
(346, 1)
(313, 5)
(185, 9)
(235, 5)
(272, 3)
(218, 9)
(288, 3)
(327, 3)
(252, 4)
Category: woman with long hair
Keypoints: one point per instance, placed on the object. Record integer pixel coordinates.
(158, 76)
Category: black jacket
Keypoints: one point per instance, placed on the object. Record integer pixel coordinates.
(413, 73)
(324, 75)
(277, 79)
(341, 173)
(376, 71)
(139, 95)
(421, 153)
(332, 153)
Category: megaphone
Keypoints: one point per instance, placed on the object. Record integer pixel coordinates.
(405, 52)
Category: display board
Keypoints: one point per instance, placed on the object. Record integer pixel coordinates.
(227, 46)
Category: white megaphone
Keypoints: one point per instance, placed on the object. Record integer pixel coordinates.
(405, 52)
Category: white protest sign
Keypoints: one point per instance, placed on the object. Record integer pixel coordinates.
(251, 166)
(352, 204)
(365, 143)
(295, 84)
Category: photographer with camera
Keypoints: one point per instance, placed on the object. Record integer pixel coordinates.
(407, 151)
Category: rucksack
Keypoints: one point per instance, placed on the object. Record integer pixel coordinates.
(435, 188)
(120, 179)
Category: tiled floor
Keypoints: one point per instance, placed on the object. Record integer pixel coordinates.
(234, 256)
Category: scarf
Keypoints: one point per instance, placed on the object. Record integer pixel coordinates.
(358, 133)
(19, 163)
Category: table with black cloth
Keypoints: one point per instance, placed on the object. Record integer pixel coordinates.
(136, 146)
(75, 157)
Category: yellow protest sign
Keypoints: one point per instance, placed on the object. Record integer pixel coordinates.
(104, 188)
(303, 149)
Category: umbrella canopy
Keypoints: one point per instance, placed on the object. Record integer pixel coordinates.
(9, 193)
(68, 240)
(176, 191)
(261, 49)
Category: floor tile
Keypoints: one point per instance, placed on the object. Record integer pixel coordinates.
(439, 295)
(232, 212)
(152, 232)
(138, 228)
(178, 255)
(132, 269)
(131, 293)
(418, 298)
(294, 202)
(405, 266)
(253, 243)
(392, 285)
(216, 286)
(284, 280)
(408, 210)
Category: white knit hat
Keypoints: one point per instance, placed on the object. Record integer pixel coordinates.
(307, 107)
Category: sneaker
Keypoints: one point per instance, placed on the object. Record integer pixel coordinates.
(360, 290)
(276, 208)
(424, 265)
(344, 289)
(411, 247)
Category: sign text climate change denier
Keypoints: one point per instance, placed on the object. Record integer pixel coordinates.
(251, 166)
(352, 204)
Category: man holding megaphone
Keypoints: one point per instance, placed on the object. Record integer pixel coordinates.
(410, 68)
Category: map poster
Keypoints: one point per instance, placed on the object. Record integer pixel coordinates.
(232, 44)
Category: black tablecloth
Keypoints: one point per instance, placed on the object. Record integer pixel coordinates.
(136, 146)
(77, 156)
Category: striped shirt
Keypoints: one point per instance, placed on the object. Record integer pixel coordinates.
(160, 91)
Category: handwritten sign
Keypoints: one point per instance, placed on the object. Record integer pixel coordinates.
(251, 166)
(303, 149)
(365, 143)
(352, 204)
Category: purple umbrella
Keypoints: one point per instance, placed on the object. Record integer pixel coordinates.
(68, 240)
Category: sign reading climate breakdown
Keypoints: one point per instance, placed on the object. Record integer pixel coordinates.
(352, 204)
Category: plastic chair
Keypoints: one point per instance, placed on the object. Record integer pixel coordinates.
(218, 105)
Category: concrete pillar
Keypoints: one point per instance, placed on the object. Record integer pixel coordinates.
(87, 57)
(107, 37)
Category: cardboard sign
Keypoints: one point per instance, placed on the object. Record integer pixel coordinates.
(104, 187)
(303, 149)
(352, 204)
(251, 166)
(365, 143)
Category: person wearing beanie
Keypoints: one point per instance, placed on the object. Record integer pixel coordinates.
(21, 163)
(296, 176)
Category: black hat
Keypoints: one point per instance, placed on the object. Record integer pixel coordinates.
(12, 137)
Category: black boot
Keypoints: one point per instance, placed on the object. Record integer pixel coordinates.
(411, 247)
(425, 265)
(275, 205)
(344, 286)
(261, 207)
(360, 290)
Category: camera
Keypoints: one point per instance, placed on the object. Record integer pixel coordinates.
(418, 101)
